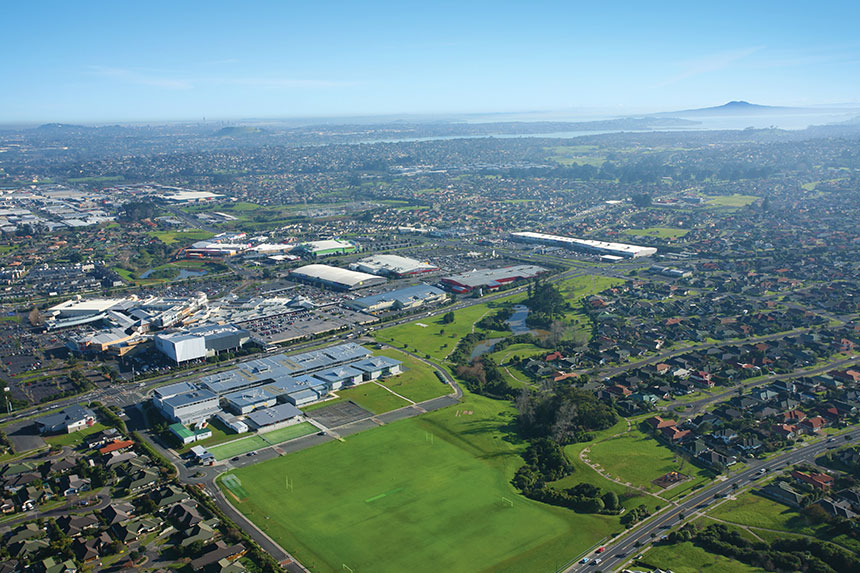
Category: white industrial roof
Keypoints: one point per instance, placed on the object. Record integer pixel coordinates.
(598, 245)
(333, 274)
(91, 305)
(326, 244)
(393, 264)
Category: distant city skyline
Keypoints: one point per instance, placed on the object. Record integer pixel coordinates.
(112, 62)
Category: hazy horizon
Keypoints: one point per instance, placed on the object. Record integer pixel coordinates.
(105, 62)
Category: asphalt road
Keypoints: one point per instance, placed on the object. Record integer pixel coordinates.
(629, 544)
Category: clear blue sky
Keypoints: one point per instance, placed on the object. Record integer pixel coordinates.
(117, 61)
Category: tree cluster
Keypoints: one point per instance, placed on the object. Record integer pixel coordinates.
(483, 377)
(496, 321)
(566, 415)
(546, 304)
(794, 554)
(138, 211)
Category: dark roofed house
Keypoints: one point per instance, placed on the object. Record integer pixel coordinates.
(184, 515)
(68, 420)
(117, 512)
(837, 508)
(217, 552)
(782, 492)
(74, 525)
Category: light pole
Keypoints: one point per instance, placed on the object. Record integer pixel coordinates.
(6, 391)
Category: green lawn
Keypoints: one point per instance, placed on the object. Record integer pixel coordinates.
(577, 154)
(238, 447)
(75, 438)
(418, 383)
(422, 494)
(735, 200)
(371, 397)
(522, 350)
(688, 558)
(289, 433)
(171, 237)
(639, 459)
(659, 232)
(582, 473)
(755, 511)
(578, 288)
(430, 336)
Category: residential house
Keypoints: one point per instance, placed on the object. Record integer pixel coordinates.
(816, 480)
(782, 492)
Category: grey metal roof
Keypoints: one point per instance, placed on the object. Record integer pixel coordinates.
(269, 416)
(375, 363)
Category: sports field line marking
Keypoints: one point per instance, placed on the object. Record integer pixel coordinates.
(381, 495)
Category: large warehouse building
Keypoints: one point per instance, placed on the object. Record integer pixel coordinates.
(409, 297)
(491, 278)
(392, 265)
(599, 247)
(335, 277)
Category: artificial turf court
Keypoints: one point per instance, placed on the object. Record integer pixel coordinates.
(423, 494)
(257, 441)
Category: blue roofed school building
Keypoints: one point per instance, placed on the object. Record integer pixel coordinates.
(273, 418)
(262, 384)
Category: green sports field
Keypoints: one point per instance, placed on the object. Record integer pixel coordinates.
(289, 433)
(238, 447)
(430, 493)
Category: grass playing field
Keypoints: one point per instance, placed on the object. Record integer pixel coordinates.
(735, 200)
(171, 237)
(289, 433)
(430, 493)
(659, 232)
(238, 447)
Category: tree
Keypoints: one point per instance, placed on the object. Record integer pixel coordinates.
(610, 500)
(36, 318)
(816, 514)
(448, 318)
(641, 199)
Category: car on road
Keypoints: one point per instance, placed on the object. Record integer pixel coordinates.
(236, 459)
(597, 561)
(584, 560)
